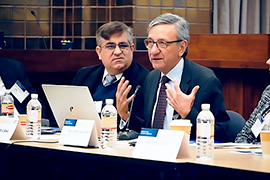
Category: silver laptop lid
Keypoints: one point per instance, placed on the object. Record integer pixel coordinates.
(73, 102)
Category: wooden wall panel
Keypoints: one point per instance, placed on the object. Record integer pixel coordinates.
(242, 88)
(230, 50)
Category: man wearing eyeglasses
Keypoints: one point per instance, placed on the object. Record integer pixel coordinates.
(115, 50)
(177, 87)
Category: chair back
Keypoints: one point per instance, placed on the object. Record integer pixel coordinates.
(235, 125)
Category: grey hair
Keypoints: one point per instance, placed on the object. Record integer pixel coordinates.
(106, 30)
(182, 26)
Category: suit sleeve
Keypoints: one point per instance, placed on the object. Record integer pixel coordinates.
(211, 92)
(78, 77)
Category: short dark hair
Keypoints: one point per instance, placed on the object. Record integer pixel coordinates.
(106, 30)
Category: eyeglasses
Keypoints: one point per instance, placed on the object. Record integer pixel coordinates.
(149, 43)
(111, 46)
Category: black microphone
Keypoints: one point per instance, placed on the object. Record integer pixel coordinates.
(33, 13)
(128, 133)
(40, 31)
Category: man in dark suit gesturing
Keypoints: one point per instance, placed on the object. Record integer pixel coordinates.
(115, 50)
(185, 85)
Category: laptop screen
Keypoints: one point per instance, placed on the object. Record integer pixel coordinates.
(71, 102)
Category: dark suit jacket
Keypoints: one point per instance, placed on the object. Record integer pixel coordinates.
(92, 77)
(210, 92)
(10, 72)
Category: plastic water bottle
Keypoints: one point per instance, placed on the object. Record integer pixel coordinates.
(205, 134)
(7, 104)
(108, 125)
(33, 124)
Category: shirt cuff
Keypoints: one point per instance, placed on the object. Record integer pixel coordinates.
(122, 124)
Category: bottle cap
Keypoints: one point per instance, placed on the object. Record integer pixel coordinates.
(34, 96)
(205, 106)
(109, 101)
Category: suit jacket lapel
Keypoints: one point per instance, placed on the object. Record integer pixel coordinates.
(151, 93)
(184, 85)
(95, 79)
(186, 77)
(153, 90)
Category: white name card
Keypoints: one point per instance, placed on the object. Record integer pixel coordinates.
(10, 128)
(79, 132)
(19, 91)
(161, 145)
(259, 124)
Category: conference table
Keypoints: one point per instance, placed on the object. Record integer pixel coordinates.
(48, 159)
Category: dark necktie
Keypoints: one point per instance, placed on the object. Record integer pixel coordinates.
(109, 79)
(161, 105)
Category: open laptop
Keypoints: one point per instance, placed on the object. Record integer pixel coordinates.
(71, 102)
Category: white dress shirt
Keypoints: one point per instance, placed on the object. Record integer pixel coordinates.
(118, 76)
(2, 87)
(175, 73)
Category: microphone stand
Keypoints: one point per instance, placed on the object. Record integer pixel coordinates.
(34, 14)
(128, 133)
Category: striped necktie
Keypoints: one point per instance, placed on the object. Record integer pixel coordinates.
(161, 105)
(109, 79)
